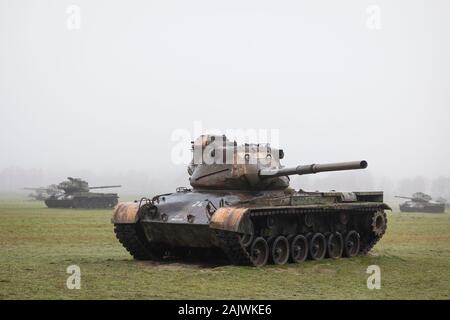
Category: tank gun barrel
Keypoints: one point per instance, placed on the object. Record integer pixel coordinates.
(402, 197)
(36, 189)
(313, 168)
(104, 187)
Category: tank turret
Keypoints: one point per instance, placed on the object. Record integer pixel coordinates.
(417, 197)
(220, 164)
(72, 185)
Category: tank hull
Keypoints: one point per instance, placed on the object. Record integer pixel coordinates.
(55, 203)
(234, 223)
(180, 235)
(426, 208)
(84, 201)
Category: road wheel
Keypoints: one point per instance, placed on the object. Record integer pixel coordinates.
(299, 248)
(280, 250)
(317, 247)
(351, 244)
(335, 245)
(259, 252)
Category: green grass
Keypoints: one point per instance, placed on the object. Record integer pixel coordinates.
(38, 244)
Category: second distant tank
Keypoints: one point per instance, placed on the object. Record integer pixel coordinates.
(421, 202)
(42, 193)
(444, 201)
(76, 193)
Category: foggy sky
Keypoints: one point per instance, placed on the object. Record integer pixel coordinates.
(106, 98)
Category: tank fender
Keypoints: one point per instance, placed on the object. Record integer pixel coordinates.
(232, 219)
(126, 212)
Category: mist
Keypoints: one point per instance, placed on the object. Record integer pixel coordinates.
(101, 101)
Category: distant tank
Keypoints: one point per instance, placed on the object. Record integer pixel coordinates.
(421, 202)
(241, 207)
(76, 193)
(43, 193)
(444, 201)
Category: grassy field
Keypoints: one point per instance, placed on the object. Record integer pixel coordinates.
(38, 244)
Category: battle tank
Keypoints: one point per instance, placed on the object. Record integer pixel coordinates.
(42, 193)
(241, 206)
(421, 202)
(76, 193)
(444, 201)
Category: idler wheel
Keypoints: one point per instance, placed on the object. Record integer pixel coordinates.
(317, 247)
(259, 252)
(299, 248)
(280, 250)
(351, 244)
(335, 245)
(379, 223)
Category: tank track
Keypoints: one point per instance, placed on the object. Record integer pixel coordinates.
(132, 237)
(231, 245)
(238, 254)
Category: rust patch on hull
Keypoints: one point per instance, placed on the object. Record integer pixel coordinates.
(229, 219)
(126, 212)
